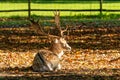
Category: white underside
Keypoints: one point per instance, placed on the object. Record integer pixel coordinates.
(60, 54)
(49, 66)
(59, 66)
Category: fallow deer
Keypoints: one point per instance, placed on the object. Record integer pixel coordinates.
(49, 59)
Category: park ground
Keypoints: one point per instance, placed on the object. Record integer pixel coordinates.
(95, 41)
(95, 51)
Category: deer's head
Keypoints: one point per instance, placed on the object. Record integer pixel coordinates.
(60, 44)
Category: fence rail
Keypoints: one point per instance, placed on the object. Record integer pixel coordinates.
(29, 9)
(75, 10)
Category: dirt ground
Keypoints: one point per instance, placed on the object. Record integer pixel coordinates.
(95, 54)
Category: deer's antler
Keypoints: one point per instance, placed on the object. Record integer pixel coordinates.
(57, 22)
(39, 28)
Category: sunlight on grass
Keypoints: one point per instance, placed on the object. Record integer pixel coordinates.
(65, 6)
(82, 5)
(13, 6)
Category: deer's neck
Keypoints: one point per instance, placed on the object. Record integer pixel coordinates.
(56, 49)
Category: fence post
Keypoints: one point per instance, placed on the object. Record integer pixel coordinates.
(29, 9)
(101, 2)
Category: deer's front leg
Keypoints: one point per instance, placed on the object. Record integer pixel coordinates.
(59, 66)
(49, 66)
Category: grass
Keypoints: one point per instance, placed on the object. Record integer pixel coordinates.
(14, 23)
(83, 5)
(18, 22)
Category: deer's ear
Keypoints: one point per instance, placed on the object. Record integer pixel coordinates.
(56, 41)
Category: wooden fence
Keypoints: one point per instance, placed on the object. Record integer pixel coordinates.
(29, 10)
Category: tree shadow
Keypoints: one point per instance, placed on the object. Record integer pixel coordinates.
(97, 74)
(15, 39)
(85, 38)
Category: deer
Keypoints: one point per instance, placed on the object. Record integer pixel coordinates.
(49, 59)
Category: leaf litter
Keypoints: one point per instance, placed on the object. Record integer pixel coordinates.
(93, 49)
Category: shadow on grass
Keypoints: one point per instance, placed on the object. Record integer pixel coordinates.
(78, 17)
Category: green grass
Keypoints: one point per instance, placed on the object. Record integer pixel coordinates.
(83, 5)
(15, 6)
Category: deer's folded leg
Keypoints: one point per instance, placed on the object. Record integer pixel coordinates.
(40, 65)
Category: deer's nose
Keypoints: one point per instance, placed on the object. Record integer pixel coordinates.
(69, 48)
